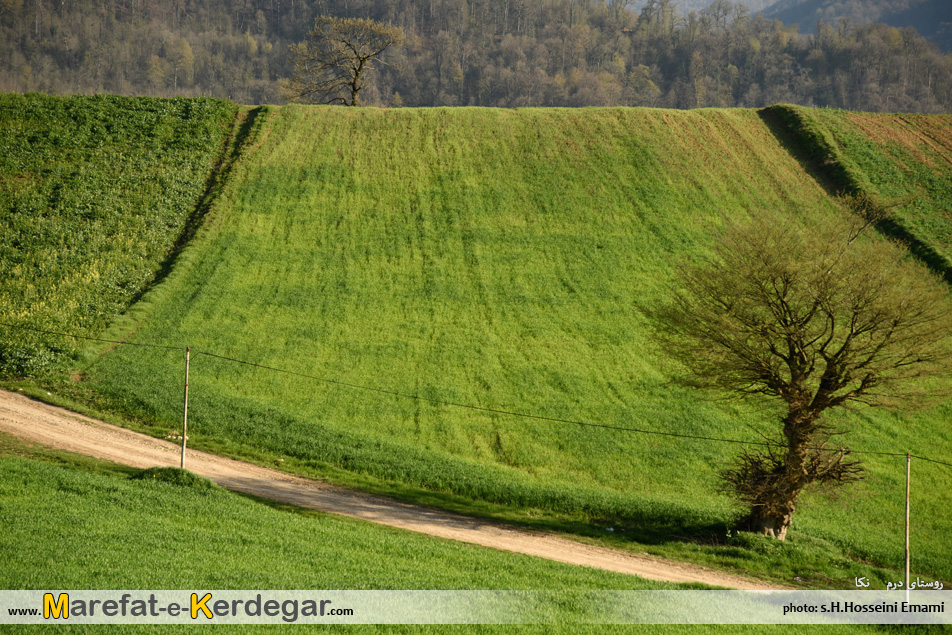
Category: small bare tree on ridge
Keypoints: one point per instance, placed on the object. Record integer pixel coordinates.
(331, 66)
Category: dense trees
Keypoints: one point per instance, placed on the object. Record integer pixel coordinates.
(477, 52)
(932, 18)
(164, 48)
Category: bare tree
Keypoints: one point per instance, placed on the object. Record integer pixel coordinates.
(818, 319)
(331, 66)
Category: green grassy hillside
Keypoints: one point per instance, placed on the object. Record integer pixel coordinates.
(90, 517)
(492, 258)
(906, 158)
(902, 160)
(94, 194)
(499, 259)
(90, 523)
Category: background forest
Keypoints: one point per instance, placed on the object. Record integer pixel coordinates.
(483, 52)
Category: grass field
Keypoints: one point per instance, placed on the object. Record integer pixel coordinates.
(499, 259)
(903, 160)
(94, 194)
(94, 518)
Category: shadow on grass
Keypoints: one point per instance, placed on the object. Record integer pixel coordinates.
(822, 162)
(231, 151)
(635, 531)
(643, 531)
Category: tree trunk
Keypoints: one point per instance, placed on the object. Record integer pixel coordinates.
(772, 512)
(773, 525)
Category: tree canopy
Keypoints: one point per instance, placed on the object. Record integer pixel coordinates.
(816, 319)
(331, 67)
(503, 53)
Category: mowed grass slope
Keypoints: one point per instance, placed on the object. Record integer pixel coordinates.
(497, 259)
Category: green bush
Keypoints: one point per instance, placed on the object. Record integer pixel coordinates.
(176, 476)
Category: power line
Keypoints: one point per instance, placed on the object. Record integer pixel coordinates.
(916, 456)
(465, 406)
(92, 339)
(524, 415)
(481, 408)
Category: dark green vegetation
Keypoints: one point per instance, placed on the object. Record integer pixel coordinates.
(487, 53)
(175, 476)
(498, 259)
(94, 194)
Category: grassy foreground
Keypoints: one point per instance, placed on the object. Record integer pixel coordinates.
(94, 519)
(499, 259)
(104, 526)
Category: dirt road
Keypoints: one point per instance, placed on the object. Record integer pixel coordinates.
(66, 430)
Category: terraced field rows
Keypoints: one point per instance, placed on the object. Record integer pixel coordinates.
(398, 260)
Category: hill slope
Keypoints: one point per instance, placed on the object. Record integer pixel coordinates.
(402, 263)
(95, 192)
(249, 542)
(495, 259)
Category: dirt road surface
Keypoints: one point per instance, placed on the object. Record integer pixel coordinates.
(59, 428)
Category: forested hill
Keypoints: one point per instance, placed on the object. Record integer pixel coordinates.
(931, 18)
(477, 52)
(687, 6)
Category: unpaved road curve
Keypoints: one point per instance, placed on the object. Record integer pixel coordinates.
(66, 430)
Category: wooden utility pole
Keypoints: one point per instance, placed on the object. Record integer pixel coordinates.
(185, 409)
(908, 474)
